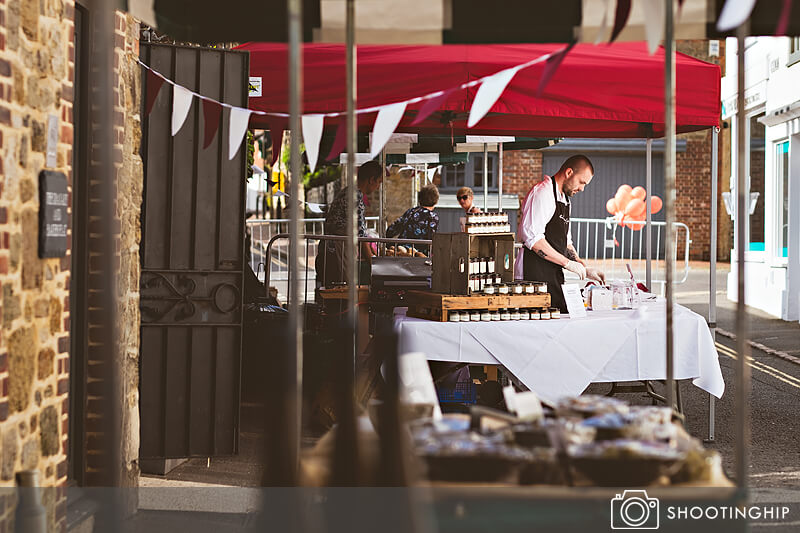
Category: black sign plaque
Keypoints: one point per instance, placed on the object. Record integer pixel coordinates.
(53, 199)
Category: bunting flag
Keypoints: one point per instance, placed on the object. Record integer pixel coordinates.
(653, 23)
(620, 18)
(388, 118)
(211, 115)
(277, 125)
(181, 103)
(783, 20)
(734, 13)
(339, 142)
(239, 120)
(431, 105)
(315, 208)
(488, 93)
(552, 65)
(601, 32)
(312, 135)
(153, 83)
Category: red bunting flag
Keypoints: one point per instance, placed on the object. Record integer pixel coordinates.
(620, 18)
(551, 66)
(432, 105)
(783, 20)
(339, 142)
(153, 85)
(276, 127)
(212, 111)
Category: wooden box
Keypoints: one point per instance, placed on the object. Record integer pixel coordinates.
(451, 253)
(433, 306)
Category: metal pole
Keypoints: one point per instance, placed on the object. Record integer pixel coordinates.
(669, 186)
(712, 274)
(295, 401)
(649, 220)
(382, 199)
(485, 177)
(500, 177)
(742, 347)
(351, 245)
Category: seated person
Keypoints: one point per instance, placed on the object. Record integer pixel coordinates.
(418, 222)
(465, 198)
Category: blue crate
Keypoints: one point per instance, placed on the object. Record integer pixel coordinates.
(464, 392)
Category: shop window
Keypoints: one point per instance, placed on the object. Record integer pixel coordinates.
(470, 174)
(782, 196)
(794, 51)
(756, 137)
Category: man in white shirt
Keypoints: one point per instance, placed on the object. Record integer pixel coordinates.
(544, 230)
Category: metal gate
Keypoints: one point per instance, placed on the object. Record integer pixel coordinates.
(192, 255)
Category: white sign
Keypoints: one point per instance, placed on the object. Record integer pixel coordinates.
(575, 306)
(254, 87)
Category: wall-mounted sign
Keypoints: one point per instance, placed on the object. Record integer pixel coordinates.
(53, 199)
(254, 87)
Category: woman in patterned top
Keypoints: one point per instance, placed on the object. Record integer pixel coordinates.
(330, 264)
(418, 222)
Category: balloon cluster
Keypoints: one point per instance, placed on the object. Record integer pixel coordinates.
(628, 206)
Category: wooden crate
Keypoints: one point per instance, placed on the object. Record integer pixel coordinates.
(451, 253)
(434, 306)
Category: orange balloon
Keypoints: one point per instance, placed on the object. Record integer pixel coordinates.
(639, 192)
(623, 197)
(624, 187)
(655, 204)
(635, 207)
(611, 206)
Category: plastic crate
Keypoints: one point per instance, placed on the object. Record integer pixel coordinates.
(464, 392)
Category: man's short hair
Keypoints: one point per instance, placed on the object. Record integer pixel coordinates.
(577, 163)
(369, 171)
(428, 196)
(465, 190)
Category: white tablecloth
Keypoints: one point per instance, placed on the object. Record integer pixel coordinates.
(556, 358)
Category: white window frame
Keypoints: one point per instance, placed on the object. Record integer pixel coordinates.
(777, 258)
(749, 255)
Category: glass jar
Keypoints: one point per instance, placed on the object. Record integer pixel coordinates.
(502, 289)
(454, 316)
(495, 316)
(524, 314)
(489, 289)
(486, 316)
(490, 266)
(544, 314)
(464, 316)
(515, 314)
(519, 288)
(505, 315)
(541, 287)
(555, 312)
(475, 316)
(535, 315)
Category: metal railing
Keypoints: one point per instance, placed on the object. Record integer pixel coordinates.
(262, 230)
(308, 272)
(610, 247)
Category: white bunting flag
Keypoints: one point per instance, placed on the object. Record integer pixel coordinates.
(430, 173)
(603, 30)
(312, 135)
(238, 127)
(181, 103)
(280, 193)
(488, 93)
(734, 13)
(653, 23)
(388, 118)
(315, 208)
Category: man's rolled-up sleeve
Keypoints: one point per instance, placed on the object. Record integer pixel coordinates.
(536, 213)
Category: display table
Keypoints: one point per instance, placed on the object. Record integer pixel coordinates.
(556, 358)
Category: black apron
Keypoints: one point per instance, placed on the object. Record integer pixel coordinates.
(535, 268)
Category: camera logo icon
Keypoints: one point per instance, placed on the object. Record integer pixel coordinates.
(634, 509)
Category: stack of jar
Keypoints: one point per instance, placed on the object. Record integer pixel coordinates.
(512, 288)
(480, 223)
(492, 315)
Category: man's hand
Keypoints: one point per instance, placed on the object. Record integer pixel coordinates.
(576, 268)
(597, 275)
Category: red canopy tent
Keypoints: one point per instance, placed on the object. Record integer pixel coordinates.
(612, 90)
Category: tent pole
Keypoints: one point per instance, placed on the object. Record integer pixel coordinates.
(712, 270)
(351, 247)
(500, 177)
(649, 220)
(485, 177)
(669, 188)
(295, 297)
(382, 198)
(742, 347)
